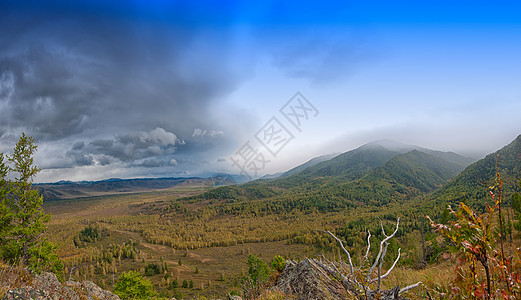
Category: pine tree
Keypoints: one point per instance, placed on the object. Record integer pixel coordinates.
(23, 220)
(5, 213)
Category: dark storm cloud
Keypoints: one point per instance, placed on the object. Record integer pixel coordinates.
(48, 99)
(125, 148)
(61, 74)
(81, 159)
(101, 83)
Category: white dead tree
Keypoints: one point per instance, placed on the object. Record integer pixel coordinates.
(353, 278)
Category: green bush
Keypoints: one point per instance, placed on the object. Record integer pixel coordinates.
(131, 285)
(278, 262)
(89, 234)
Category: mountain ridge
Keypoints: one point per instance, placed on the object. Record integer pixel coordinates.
(471, 184)
(69, 189)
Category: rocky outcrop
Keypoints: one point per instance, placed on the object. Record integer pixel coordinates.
(309, 279)
(314, 279)
(47, 287)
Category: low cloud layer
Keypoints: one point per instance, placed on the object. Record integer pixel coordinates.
(101, 90)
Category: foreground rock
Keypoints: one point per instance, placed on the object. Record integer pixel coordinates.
(312, 279)
(46, 286)
(308, 279)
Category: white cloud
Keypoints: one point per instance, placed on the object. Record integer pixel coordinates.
(198, 132)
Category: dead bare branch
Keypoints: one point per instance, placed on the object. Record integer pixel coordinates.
(394, 264)
(344, 249)
(362, 287)
(382, 243)
(368, 245)
(405, 289)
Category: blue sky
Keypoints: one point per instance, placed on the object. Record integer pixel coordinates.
(175, 88)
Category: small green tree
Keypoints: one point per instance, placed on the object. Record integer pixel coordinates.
(277, 263)
(89, 234)
(258, 275)
(23, 220)
(131, 285)
(174, 284)
(259, 271)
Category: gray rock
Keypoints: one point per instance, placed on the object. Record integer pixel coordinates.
(309, 280)
(46, 286)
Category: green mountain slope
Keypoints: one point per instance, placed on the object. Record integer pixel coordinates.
(352, 164)
(312, 162)
(344, 167)
(404, 177)
(404, 148)
(417, 170)
(471, 185)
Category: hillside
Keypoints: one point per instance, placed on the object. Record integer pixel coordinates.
(452, 157)
(352, 164)
(404, 177)
(344, 167)
(356, 163)
(369, 175)
(312, 162)
(416, 170)
(472, 183)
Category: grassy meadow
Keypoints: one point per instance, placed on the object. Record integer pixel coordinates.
(146, 221)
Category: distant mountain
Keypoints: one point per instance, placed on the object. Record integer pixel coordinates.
(471, 185)
(272, 176)
(344, 167)
(230, 178)
(358, 162)
(369, 175)
(404, 177)
(70, 190)
(312, 162)
(404, 148)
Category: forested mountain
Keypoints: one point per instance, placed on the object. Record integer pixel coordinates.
(404, 148)
(417, 170)
(344, 167)
(403, 177)
(351, 164)
(471, 184)
(312, 162)
(369, 175)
